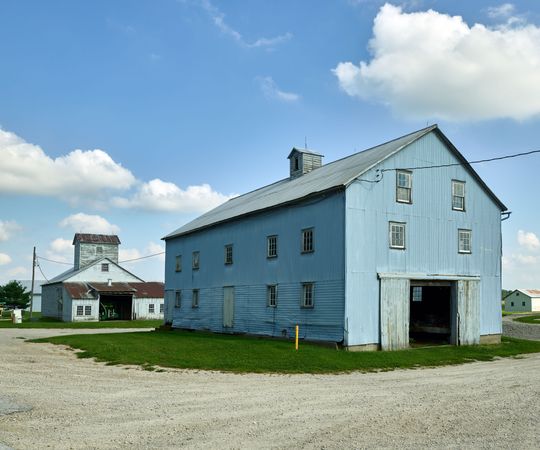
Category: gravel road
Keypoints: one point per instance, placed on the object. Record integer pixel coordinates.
(77, 403)
(520, 330)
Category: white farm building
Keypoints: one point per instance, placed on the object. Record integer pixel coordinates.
(98, 288)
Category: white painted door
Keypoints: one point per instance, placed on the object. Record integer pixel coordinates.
(468, 307)
(394, 313)
(228, 306)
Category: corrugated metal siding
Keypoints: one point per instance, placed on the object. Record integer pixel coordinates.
(252, 315)
(252, 271)
(431, 235)
(141, 308)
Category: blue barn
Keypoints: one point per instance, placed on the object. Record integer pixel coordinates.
(373, 251)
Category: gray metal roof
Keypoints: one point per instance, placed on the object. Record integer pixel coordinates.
(334, 175)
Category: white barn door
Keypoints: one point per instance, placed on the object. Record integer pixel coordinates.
(228, 306)
(394, 313)
(468, 308)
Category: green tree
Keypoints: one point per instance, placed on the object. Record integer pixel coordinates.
(14, 294)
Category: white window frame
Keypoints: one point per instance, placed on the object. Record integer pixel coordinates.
(271, 246)
(308, 295)
(195, 260)
(80, 310)
(195, 296)
(104, 267)
(161, 308)
(403, 186)
(464, 236)
(455, 195)
(87, 310)
(177, 299)
(271, 295)
(307, 243)
(151, 308)
(392, 227)
(417, 293)
(229, 254)
(178, 263)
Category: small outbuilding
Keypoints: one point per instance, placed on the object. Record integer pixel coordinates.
(523, 300)
(98, 288)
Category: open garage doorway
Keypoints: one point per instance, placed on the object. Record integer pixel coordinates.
(115, 307)
(431, 312)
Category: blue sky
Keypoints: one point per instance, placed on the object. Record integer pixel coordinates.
(134, 117)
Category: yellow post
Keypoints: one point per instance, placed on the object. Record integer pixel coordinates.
(296, 339)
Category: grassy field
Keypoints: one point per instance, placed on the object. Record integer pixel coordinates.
(529, 319)
(195, 350)
(47, 322)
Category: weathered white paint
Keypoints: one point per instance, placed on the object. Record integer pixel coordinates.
(141, 308)
(394, 313)
(93, 303)
(468, 309)
(95, 273)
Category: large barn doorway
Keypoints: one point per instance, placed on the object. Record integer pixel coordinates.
(115, 307)
(431, 315)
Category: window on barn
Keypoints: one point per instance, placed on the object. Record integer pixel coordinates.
(307, 295)
(228, 254)
(195, 261)
(177, 299)
(522, 303)
(417, 293)
(458, 195)
(80, 310)
(105, 267)
(397, 235)
(271, 246)
(271, 295)
(195, 298)
(178, 263)
(464, 238)
(161, 307)
(99, 250)
(403, 186)
(307, 240)
(88, 310)
(511, 303)
(151, 308)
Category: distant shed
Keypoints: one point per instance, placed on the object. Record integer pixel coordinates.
(523, 300)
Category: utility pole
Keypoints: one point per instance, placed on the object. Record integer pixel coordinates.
(32, 287)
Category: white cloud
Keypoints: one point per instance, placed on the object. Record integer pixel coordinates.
(159, 195)
(501, 11)
(7, 228)
(271, 91)
(26, 169)
(219, 21)
(152, 248)
(60, 250)
(432, 65)
(88, 223)
(18, 271)
(4, 259)
(528, 240)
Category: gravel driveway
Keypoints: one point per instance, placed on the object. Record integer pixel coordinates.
(77, 403)
(520, 330)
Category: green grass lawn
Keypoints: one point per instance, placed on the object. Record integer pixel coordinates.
(529, 319)
(197, 350)
(47, 322)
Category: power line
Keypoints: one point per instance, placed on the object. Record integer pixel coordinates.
(142, 257)
(497, 158)
(53, 261)
(39, 267)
